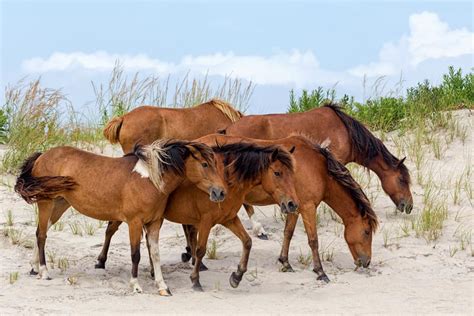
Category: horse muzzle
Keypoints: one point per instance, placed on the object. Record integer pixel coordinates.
(216, 194)
(363, 261)
(288, 207)
(405, 206)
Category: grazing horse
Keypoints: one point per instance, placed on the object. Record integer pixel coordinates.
(319, 177)
(145, 124)
(245, 166)
(133, 189)
(350, 142)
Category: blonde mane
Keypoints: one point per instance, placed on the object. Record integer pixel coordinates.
(227, 109)
(151, 161)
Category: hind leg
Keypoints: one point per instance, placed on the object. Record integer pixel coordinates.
(257, 227)
(59, 206)
(45, 210)
(112, 227)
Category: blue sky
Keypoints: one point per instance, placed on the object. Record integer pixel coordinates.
(279, 45)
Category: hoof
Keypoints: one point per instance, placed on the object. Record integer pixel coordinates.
(185, 257)
(287, 268)
(197, 287)
(262, 236)
(202, 267)
(165, 292)
(100, 265)
(234, 280)
(323, 277)
(33, 272)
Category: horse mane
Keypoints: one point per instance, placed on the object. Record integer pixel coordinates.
(248, 161)
(366, 146)
(167, 155)
(232, 114)
(342, 175)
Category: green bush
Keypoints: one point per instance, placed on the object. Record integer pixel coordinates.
(3, 127)
(424, 101)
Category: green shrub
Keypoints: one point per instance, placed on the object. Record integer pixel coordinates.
(3, 127)
(424, 101)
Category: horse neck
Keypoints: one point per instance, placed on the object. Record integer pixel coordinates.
(379, 166)
(171, 182)
(340, 201)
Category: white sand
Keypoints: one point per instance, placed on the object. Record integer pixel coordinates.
(410, 275)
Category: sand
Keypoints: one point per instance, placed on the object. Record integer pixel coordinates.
(408, 274)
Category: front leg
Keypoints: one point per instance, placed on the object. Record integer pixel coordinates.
(310, 225)
(235, 226)
(112, 227)
(290, 225)
(135, 231)
(153, 238)
(257, 227)
(203, 235)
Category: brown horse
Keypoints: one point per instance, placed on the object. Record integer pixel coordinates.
(133, 189)
(246, 166)
(350, 142)
(146, 124)
(318, 177)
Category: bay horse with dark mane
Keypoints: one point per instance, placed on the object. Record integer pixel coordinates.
(350, 140)
(132, 189)
(245, 166)
(319, 177)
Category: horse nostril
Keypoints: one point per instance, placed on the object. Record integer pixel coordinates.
(292, 206)
(222, 195)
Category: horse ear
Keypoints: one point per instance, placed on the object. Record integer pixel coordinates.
(292, 150)
(275, 154)
(402, 161)
(193, 151)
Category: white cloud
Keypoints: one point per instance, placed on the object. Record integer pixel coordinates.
(429, 39)
(298, 68)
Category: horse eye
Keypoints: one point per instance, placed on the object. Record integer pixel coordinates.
(367, 232)
(205, 165)
(277, 173)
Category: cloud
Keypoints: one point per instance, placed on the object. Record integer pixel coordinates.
(296, 67)
(429, 39)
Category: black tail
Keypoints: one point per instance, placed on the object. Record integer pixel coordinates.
(33, 189)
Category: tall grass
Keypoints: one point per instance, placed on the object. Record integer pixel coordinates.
(121, 94)
(386, 113)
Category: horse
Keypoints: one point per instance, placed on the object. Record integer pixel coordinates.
(319, 177)
(351, 141)
(246, 166)
(133, 189)
(146, 124)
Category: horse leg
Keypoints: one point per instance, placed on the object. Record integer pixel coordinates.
(45, 210)
(60, 205)
(290, 225)
(135, 230)
(152, 268)
(192, 239)
(186, 256)
(309, 221)
(257, 228)
(235, 226)
(112, 227)
(153, 238)
(204, 230)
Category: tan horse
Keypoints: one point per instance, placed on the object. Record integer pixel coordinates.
(145, 124)
(133, 189)
(318, 177)
(246, 166)
(350, 142)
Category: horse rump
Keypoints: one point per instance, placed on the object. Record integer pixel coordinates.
(33, 189)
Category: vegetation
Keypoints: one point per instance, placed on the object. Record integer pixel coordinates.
(390, 112)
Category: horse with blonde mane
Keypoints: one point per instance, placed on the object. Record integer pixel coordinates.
(133, 189)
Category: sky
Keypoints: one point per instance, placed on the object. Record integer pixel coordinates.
(278, 45)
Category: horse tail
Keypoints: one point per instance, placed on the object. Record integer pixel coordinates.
(112, 129)
(33, 189)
